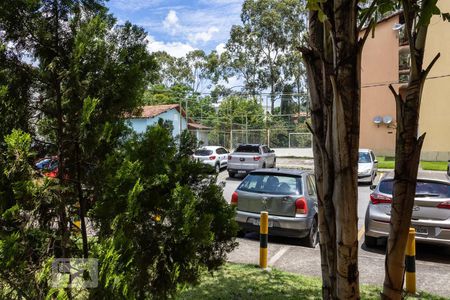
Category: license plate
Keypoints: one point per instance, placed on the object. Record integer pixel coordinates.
(421, 230)
(242, 172)
(256, 222)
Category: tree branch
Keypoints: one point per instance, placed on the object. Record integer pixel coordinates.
(430, 66)
(362, 41)
(369, 14)
(393, 91)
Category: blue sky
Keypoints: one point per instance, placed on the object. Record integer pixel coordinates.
(179, 26)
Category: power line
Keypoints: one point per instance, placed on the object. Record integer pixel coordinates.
(369, 85)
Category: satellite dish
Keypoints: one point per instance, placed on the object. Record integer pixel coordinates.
(387, 119)
(398, 26)
(377, 120)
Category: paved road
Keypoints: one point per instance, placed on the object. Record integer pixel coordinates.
(432, 265)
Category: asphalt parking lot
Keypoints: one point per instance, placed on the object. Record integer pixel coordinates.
(432, 264)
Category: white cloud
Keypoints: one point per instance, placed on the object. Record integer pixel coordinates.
(171, 23)
(203, 36)
(176, 49)
(220, 48)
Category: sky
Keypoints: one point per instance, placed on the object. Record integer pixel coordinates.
(180, 26)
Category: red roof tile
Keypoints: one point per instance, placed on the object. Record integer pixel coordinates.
(150, 111)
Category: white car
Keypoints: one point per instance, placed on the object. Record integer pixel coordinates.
(367, 166)
(215, 156)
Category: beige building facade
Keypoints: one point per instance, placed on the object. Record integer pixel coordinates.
(385, 61)
(435, 109)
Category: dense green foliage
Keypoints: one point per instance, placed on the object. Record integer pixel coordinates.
(162, 218)
(154, 218)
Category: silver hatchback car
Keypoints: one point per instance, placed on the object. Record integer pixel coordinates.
(431, 212)
(289, 196)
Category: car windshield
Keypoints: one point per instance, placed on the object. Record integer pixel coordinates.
(203, 152)
(248, 148)
(423, 188)
(364, 157)
(272, 184)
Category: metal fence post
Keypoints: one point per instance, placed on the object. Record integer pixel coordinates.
(263, 239)
(410, 262)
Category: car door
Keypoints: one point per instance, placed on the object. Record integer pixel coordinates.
(224, 160)
(269, 156)
(220, 156)
(375, 162)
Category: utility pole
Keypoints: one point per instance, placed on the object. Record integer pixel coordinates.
(231, 126)
(246, 129)
(265, 122)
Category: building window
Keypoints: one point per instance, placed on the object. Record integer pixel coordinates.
(404, 64)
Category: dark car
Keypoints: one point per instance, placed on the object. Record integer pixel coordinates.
(289, 196)
(48, 166)
(431, 211)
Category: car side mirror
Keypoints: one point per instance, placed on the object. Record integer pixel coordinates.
(272, 151)
(375, 161)
(373, 187)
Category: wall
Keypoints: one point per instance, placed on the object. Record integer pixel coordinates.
(140, 124)
(435, 106)
(379, 66)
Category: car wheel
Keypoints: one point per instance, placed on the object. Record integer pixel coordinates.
(313, 237)
(274, 163)
(370, 241)
(241, 233)
(231, 174)
(217, 168)
(264, 165)
(372, 177)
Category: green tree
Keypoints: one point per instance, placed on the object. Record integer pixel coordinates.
(270, 32)
(162, 218)
(87, 74)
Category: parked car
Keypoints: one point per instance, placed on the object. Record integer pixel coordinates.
(48, 166)
(215, 156)
(289, 196)
(367, 166)
(249, 157)
(431, 212)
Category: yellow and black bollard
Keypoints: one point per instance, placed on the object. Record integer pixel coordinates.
(263, 239)
(410, 262)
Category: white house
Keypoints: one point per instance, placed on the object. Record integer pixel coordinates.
(168, 112)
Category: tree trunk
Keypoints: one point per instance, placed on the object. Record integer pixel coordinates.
(333, 66)
(407, 154)
(81, 201)
(320, 93)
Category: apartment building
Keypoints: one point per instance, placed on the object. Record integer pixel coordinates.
(385, 61)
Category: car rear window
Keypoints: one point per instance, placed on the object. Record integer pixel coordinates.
(203, 152)
(272, 184)
(248, 148)
(423, 188)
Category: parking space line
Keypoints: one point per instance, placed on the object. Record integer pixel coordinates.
(361, 232)
(278, 255)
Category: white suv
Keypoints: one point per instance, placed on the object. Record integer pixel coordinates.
(215, 156)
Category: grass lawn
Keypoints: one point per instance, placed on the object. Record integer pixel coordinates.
(238, 281)
(434, 165)
(389, 163)
(385, 162)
